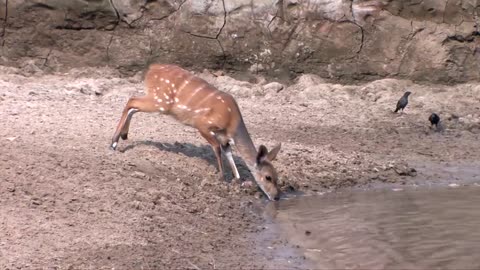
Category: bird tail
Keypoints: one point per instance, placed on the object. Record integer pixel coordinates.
(396, 110)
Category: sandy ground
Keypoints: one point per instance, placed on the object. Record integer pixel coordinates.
(67, 201)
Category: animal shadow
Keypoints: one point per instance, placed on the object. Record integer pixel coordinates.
(204, 152)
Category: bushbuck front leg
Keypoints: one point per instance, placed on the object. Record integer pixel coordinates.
(212, 140)
(126, 126)
(228, 153)
(134, 104)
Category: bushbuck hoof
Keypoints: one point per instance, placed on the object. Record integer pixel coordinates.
(124, 136)
(113, 146)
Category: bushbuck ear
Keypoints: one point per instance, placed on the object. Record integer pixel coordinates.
(262, 153)
(273, 153)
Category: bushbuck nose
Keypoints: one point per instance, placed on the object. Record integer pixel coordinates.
(277, 197)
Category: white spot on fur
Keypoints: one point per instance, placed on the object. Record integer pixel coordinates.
(194, 92)
(162, 109)
(209, 121)
(176, 99)
(219, 97)
(166, 96)
(161, 79)
(173, 85)
(155, 76)
(185, 83)
(167, 81)
(201, 110)
(159, 99)
(223, 101)
(230, 110)
(212, 133)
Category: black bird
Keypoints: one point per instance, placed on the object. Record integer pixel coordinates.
(403, 101)
(434, 119)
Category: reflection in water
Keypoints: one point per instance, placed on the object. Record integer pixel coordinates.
(427, 229)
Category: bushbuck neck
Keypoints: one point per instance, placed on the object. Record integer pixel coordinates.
(191, 100)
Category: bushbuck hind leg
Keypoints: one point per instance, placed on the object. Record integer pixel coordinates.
(134, 104)
(227, 149)
(212, 140)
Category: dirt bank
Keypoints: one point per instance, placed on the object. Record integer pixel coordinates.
(351, 41)
(68, 201)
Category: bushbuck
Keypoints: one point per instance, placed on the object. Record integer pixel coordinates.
(174, 91)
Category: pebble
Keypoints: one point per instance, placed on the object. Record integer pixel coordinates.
(273, 87)
(138, 174)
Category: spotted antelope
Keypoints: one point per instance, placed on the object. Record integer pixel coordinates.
(174, 91)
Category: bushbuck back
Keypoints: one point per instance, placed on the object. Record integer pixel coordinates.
(215, 114)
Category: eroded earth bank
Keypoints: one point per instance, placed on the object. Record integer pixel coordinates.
(67, 201)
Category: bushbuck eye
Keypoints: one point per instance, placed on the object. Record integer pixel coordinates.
(269, 178)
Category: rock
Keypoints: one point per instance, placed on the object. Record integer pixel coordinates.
(31, 67)
(247, 184)
(258, 195)
(405, 170)
(136, 205)
(218, 73)
(11, 188)
(273, 87)
(255, 68)
(36, 201)
(309, 80)
(138, 174)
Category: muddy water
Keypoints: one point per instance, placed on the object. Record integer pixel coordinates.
(431, 228)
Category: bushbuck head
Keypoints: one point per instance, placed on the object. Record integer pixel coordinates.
(265, 174)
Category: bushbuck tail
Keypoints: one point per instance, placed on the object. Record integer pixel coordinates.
(174, 91)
